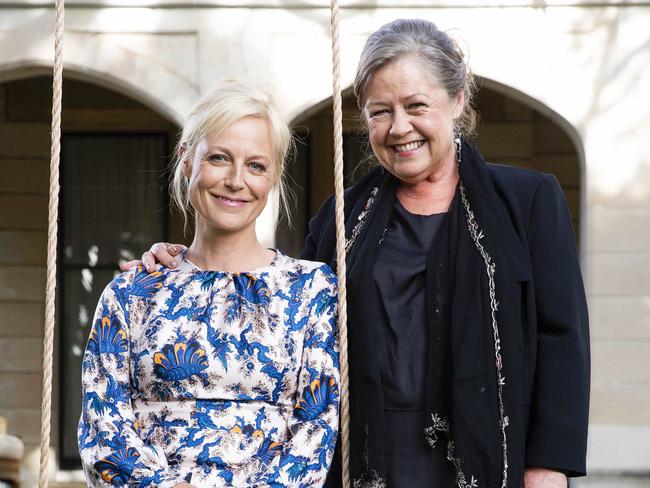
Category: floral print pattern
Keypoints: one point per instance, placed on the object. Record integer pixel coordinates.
(218, 379)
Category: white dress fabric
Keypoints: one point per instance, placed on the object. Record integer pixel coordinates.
(218, 379)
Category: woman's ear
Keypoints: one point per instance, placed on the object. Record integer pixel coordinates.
(186, 161)
(459, 104)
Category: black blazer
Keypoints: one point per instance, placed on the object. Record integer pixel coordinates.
(556, 373)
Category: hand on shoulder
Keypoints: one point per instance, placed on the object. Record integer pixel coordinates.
(161, 252)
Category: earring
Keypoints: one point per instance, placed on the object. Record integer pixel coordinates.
(457, 140)
(457, 132)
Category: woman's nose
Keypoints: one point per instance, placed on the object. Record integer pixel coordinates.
(401, 123)
(235, 178)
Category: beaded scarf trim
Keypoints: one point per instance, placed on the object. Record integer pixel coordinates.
(361, 220)
(374, 482)
(490, 267)
(441, 424)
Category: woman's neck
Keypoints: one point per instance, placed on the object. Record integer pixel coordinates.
(431, 195)
(230, 252)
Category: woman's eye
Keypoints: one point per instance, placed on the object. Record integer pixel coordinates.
(379, 113)
(217, 158)
(257, 166)
(416, 106)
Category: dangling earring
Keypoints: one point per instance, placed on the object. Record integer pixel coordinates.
(457, 140)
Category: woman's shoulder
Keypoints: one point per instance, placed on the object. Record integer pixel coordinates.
(138, 282)
(514, 175)
(306, 267)
(522, 184)
(367, 183)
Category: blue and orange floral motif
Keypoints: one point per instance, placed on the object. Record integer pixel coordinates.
(324, 302)
(252, 289)
(268, 450)
(316, 397)
(146, 284)
(180, 361)
(298, 283)
(247, 349)
(116, 468)
(108, 336)
(208, 278)
(297, 466)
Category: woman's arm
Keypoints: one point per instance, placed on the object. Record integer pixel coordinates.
(311, 249)
(313, 426)
(112, 453)
(559, 411)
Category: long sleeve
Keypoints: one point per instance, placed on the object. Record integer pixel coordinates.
(313, 426)
(112, 453)
(557, 434)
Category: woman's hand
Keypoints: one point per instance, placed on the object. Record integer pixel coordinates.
(182, 484)
(161, 252)
(544, 478)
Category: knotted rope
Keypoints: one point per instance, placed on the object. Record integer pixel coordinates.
(340, 244)
(53, 213)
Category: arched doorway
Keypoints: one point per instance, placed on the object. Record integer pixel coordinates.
(114, 203)
(510, 131)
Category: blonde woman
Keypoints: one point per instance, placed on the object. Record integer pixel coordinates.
(224, 370)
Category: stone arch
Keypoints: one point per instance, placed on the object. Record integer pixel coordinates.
(85, 74)
(555, 145)
(101, 61)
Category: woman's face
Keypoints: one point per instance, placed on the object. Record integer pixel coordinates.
(231, 176)
(410, 120)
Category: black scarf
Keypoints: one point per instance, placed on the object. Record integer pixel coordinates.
(475, 422)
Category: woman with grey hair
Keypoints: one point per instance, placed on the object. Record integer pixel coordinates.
(468, 331)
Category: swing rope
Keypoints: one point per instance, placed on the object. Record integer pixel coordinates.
(340, 245)
(53, 211)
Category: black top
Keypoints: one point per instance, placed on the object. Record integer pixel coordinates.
(399, 276)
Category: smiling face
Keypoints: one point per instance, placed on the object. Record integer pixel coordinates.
(231, 176)
(410, 120)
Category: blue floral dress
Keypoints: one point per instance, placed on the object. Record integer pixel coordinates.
(219, 379)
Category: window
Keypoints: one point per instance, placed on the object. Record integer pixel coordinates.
(113, 206)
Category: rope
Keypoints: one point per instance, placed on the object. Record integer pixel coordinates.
(340, 244)
(53, 210)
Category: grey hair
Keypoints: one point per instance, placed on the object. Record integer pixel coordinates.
(438, 52)
(226, 102)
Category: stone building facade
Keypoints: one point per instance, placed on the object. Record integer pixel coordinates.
(564, 89)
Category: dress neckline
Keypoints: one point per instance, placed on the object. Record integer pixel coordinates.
(187, 265)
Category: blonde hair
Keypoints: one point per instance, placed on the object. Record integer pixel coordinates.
(226, 102)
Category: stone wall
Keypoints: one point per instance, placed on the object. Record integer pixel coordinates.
(24, 166)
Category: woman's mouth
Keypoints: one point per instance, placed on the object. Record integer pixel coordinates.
(230, 202)
(408, 147)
